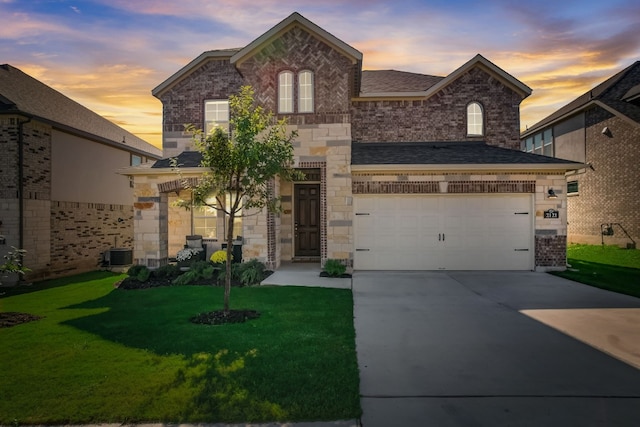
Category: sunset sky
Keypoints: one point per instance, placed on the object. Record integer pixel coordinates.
(109, 54)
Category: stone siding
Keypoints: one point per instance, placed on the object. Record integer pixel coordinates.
(443, 116)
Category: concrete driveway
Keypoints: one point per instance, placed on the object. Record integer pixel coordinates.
(494, 349)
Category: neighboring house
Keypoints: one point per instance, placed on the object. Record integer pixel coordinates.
(60, 196)
(404, 171)
(601, 128)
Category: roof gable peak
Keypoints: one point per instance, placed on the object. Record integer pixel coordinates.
(295, 19)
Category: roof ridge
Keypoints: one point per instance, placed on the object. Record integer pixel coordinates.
(595, 93)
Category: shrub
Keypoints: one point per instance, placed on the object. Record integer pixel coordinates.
(140, 272)
(200, 271)
(235, 274)
(168, 271)
(334, 268)
(251, 272)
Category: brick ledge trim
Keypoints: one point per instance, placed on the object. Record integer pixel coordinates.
(433, 187)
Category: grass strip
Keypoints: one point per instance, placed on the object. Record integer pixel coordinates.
(606, 267)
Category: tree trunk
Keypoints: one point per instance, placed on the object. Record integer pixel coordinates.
(227, 281)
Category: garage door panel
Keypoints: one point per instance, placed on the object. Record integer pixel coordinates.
(411, 232)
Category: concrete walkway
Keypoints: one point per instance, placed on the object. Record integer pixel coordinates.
(304, 274)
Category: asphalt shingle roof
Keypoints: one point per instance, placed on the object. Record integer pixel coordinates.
(186, 159)
(379, 81)
(611, 92)
(20, 92)
(442, 153)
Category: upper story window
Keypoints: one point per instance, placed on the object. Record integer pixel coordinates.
(216, 113)
(305, 92)
(285, 92)
(136, 160)
(303, 89)
(475, 125)
(539, 143)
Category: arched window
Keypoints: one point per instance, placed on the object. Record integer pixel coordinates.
(305, 92)
(285, 92)
(475, 125)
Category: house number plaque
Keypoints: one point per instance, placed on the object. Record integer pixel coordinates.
(551, 213)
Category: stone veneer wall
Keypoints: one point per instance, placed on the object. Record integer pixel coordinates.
(443, 116)
(150, 218)
(550, 234)
(328, 146)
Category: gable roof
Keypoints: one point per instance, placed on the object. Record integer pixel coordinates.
(477, 61)
(463, 153)
(292, 20)
(185, 71)
(22, 94)
(614, 94)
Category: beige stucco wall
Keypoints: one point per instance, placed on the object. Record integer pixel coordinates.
(569, 139)
(86, 172)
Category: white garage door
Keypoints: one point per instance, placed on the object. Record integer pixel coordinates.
(420, 232)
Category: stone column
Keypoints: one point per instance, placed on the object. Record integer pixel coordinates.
(150, 225)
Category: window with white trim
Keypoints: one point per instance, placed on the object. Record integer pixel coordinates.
(205, 220)
(285, 92)
(572, 188)
(475, 126)
(211, 223)
(216, 114)
(305, 92)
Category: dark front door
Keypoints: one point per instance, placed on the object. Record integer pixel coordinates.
(307, 220)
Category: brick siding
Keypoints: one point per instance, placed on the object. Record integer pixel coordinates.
(298, 50)
(443, 116)
(608, 193)
(551, 251)
(184, 103)
(81, 232)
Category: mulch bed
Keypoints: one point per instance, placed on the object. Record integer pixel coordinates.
(342, 276)
(13, 318)
(220, 317)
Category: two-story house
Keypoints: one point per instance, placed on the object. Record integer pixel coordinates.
(404, 170)
(60, 196)
(600, 128)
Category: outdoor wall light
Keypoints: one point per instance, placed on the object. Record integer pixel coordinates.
(552, 194)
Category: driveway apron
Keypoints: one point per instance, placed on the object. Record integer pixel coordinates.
(456, 349)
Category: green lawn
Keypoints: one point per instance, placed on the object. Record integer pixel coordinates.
(606, 267)
(102, 355)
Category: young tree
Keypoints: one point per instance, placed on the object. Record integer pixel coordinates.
(242, 165)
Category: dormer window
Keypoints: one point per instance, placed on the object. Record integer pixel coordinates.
(303, 89)
(475, 125)
(285, 92)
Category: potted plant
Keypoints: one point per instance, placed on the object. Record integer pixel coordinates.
(186, 256)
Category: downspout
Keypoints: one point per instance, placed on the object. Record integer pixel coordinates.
(21, 185)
